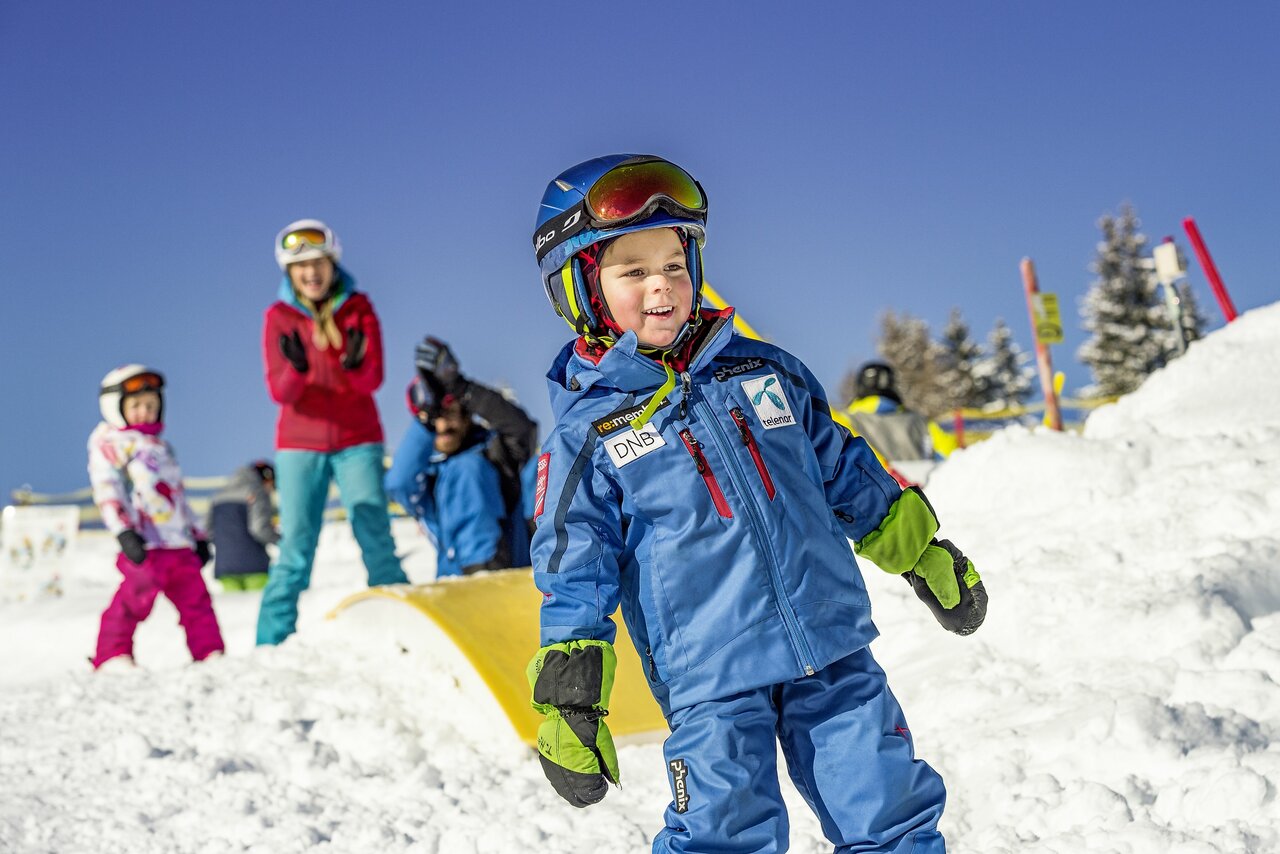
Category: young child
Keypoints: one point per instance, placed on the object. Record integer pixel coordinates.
(697, 478)
(137, 486)
(240, 517)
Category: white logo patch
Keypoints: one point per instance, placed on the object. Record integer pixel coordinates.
(770, 402)
(627, 445)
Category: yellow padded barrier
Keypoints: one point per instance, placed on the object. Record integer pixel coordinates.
(492, 618)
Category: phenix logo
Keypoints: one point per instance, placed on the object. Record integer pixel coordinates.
(679, 772)
(728, 372)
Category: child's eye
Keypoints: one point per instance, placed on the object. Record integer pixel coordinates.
(637, 273)
(675, 267)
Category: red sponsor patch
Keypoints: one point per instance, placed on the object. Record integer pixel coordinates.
(540, 494)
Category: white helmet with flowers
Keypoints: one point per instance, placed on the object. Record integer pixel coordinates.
(122, 382)
(304, 240)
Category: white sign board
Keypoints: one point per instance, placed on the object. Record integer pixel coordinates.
(38, 545)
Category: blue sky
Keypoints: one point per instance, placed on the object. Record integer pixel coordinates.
(858, 157)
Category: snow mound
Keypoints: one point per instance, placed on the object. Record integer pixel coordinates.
(1122, 696)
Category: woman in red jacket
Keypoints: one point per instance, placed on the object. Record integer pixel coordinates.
(323, 352)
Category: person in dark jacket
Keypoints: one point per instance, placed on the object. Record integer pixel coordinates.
(458, 469)
(240, 520)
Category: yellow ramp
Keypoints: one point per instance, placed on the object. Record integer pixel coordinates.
(492, 620)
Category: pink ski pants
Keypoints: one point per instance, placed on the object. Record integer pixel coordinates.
(174, 572)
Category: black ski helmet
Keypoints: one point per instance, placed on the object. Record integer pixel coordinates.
(877, 378)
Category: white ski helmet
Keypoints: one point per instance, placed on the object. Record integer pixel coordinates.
(122, 382)
(306, 239)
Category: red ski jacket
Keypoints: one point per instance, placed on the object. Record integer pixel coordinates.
(328, 408)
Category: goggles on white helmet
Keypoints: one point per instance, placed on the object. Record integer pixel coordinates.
(122, 382)
(305, 240)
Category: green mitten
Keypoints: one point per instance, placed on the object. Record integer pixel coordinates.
(946, 581)
(571, 684)
(942, 577)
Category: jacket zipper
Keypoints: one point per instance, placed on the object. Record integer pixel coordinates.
(744, 430)
(804, 655)
(708, 476)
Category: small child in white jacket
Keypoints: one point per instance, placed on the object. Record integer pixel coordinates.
(137, 486)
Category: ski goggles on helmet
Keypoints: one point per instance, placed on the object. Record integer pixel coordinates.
(149, 381)
(627, 193)
(304, 238)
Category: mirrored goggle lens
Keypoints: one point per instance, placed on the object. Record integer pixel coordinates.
(303, 237)
(629, 189)
(142, 382)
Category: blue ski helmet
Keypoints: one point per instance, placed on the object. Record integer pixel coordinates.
(605, 198)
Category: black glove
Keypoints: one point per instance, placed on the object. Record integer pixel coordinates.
(357, 344)
(291, 348)
(433, 358)
(202, 551)
(424, 401)
(133, 546)
(968, 614)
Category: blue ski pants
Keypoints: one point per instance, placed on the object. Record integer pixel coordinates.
(302, 483)
(847, 750)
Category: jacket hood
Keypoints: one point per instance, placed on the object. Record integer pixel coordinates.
(346, 285)
(622, 367)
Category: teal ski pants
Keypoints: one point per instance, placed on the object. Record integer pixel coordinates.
(302, 483)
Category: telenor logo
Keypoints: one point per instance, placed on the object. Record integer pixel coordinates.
(769, 401)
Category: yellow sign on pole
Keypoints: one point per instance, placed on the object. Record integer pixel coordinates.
(1047, 319)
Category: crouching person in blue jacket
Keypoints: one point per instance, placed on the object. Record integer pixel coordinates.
(458, 469)
(696, 478)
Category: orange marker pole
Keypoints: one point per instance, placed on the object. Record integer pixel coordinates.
(1053, 416)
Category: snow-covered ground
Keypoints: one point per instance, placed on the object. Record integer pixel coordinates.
(1122, 695)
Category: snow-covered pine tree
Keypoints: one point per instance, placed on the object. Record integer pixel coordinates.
(1131, 331)
(905, 344)
(1003, 377)
(958, 355)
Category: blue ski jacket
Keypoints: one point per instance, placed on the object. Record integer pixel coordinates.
(457, 497)
(721, 526)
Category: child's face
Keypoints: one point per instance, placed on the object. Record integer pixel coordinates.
(312, 277)
(645, 281)
(141, 408)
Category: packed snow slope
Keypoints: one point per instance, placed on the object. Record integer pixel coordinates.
(1122, 695)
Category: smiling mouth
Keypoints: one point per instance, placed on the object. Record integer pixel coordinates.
(660, 311)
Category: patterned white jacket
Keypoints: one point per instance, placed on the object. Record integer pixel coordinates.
(137, 486)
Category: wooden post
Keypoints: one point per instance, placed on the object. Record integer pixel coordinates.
(1053, 417)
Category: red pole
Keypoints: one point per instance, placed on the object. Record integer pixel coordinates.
(1210, 270)
(959, 423)
(1043, 360)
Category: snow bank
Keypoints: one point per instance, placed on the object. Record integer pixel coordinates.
(1122, 695)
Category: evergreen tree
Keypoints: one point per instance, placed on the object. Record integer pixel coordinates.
(1003, 377)
(915, 358)
(958, 356)
(1131, 333)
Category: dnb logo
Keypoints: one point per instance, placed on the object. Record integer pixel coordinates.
(679, 775)
(769, 401)
(627, 446)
